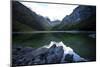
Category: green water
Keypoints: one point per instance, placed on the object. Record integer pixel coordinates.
(82, 44)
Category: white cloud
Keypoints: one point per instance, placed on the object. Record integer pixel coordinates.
(53, 11)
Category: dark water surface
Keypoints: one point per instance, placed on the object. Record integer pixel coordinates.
(81, 43)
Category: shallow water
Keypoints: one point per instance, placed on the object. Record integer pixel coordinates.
(81, 43)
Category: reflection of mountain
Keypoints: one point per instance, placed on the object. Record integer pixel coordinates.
(82, 18)
(23, 19)
(55, 52)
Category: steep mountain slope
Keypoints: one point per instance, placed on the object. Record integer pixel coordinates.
(82, 18)
(23, 16)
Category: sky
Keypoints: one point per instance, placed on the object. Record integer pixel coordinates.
(52, 11)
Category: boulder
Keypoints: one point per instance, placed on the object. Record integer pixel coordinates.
(54, 54)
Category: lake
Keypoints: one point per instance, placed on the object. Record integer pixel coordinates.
(80, 42)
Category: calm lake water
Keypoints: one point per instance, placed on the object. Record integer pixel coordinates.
(81, 43)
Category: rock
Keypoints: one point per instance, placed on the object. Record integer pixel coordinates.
(39, 51)
(80, 13)
(59, 53)
(69, 58)
(54, 54)
(50, 56)
(22, 56)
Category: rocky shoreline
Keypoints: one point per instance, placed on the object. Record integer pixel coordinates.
(22, 56)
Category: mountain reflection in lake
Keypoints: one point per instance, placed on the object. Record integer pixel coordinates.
(81, 43)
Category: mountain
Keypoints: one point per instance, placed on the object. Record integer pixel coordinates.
(82, 18)
(23, 19)
(55, 23)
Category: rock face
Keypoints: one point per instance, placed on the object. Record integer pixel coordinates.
(80, 13)
(69, 58)
(23, 16)
(56, 53)
(29, 56)
(82, 18)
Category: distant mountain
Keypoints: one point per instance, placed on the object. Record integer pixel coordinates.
(23, 19)
(82, 18)
(55, 23)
